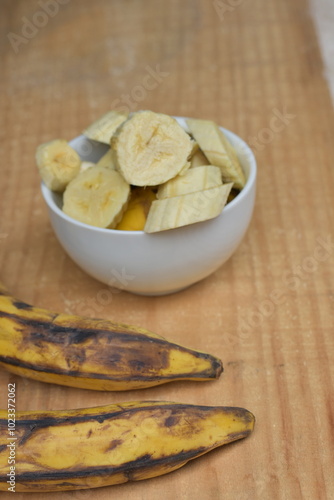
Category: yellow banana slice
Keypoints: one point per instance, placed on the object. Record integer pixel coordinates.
(195, 179)
(151, 148)
(199, 159)
(103, 128)
(134, 217)
(184, 169)
(195, 147)
(57, 163)
(97, 197)
(186, 209)
(218, 150)
(107, 160)
(85, 165)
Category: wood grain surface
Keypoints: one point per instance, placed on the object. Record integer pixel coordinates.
(253, 66)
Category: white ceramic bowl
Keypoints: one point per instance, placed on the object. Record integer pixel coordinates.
(157, 263)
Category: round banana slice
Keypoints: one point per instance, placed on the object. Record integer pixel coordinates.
(98, 196)
(151, 148)
(85, 165)
(58, 164)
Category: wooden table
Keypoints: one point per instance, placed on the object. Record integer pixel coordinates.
(253, 66)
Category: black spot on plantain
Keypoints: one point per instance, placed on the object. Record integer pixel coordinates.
(22, 305)
(66, 483)
(36, 336)
(51, 332)
(108, 357)
(147, 458)
(28, 433)
(75, 357)
(55, 334)
(3, 447)
(127, 375)
(113, 444)
(80, 356)
(138, 358)
(75, 335)
(99, 418)
(241, 414)
(217, 366)
(233, 436)
(127, 468)
(171, 420)
(89, 433)
(105, 427)
(148, 358)
(45, 420)
(139, 365)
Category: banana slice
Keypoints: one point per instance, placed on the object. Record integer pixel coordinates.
(103, 128)
(184, 169)
(218, 150)
(57, 163)
(151, 148)
(85, 165)
(107, 160)
(199, 159)
(195, 179)
(97, 197)
(134, 217)
(186, 209)
(195, 147)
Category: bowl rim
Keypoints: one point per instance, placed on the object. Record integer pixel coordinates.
(246, 151)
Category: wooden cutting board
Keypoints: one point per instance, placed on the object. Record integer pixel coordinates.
(255, 68)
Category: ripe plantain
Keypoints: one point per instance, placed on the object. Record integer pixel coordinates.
(92, 353)
(92, 447)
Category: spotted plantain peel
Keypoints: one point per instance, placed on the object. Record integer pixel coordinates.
(87, 448)
(91, 353)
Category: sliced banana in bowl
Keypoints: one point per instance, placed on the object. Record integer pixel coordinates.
(97, 196)
(185, 209)
(122, 155)
(104, 127)
(218, 149)
(191, 231)
(195, 179)
(58, 163)
(151, 148)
